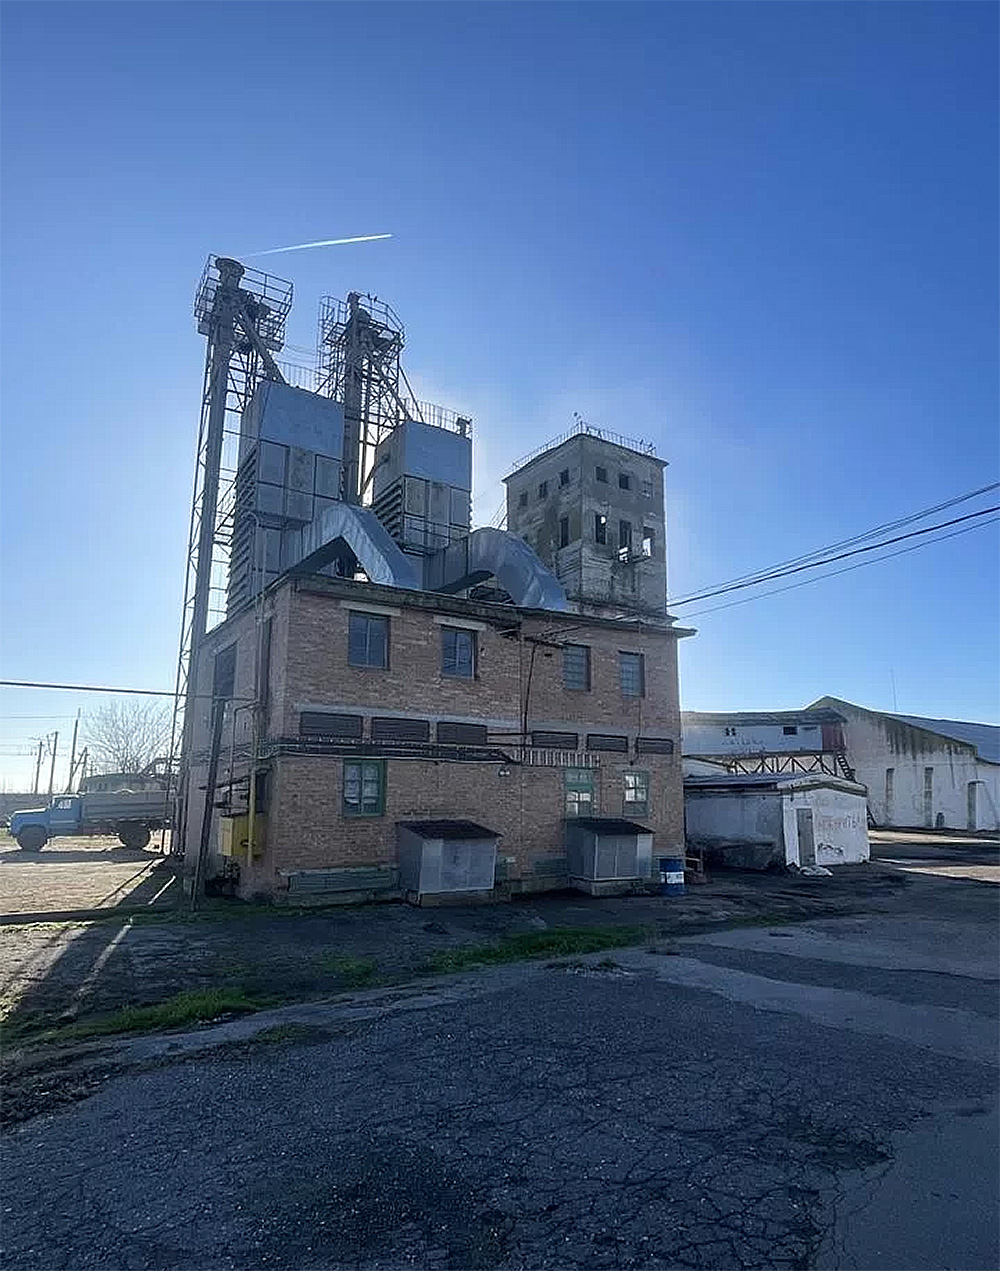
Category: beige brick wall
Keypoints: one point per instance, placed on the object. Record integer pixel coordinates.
(307, 828)
(309, 670)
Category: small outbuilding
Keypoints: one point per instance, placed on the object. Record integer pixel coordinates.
(769, 820)
(607, 856)
(441, 859)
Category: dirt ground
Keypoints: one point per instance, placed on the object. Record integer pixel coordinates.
(75, 875)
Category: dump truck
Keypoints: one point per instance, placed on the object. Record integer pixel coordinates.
(130, 814)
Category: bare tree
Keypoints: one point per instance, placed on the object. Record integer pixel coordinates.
(126, 736)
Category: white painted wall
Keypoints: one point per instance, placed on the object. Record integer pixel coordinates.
(840, 825)
(749, 739)
(876, 743)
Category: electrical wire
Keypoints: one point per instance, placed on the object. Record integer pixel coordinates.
(804, 582)
(827, 560)
(762, 575)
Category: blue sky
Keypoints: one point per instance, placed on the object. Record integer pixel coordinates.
(763, 236)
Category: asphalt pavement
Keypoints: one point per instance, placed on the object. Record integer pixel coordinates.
(817, 1095)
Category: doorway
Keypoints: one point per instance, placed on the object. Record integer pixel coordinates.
(807, 841)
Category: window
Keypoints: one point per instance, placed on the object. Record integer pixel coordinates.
(458, 652)
(544, 739)
(564, 477)
(543, 489)
(730, 732)
(635, 800)
(601, 474)
(579, 787)
(790, 730)
(633, 674)
(647, 489)
(523, 499)
(564, 531)
(330, 724)
(654, 745)
(392, 728)
(607, 741)
(458, 734)
(368, 640)
(364, 787)
(600, 528)
(576, 667)
(625, 535)
(648, 541)
(624, 481)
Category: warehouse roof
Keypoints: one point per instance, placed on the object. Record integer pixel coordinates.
(821, 715)
(985, 737)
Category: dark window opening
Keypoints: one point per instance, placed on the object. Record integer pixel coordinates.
(601, 474)
(607, 741)
(576, 667)
(543, 489)
(330, 724)
(523, 499)
(790, 730)
(368, 640)
(458, 652)
(600, 528)
(545, 740)
(632, 674)
(625, 535)
(648, 541)
(564, 531)
(624, 481)
(564, 477)
(654, 745)
(461, 734)
(391, 728)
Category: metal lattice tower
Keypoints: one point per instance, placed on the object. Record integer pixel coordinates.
(360, 342)
(242, 312)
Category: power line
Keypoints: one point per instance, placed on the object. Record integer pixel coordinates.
(827, 560)
(762, 575)
(805, 582)
(96, 688)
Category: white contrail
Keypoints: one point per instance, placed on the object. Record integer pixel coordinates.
(326, 242)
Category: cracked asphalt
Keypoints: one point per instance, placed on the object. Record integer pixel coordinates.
(816, 1096)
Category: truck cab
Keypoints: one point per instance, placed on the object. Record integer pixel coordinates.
(30, 827)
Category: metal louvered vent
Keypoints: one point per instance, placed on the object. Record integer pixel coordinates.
(462, 734)
(655, 746)
(388, 728)
(330, 724)
(607, 741)
(555, 741)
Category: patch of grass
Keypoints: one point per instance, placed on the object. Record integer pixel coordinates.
(193, 1006)
(354, 972)
(556, 942)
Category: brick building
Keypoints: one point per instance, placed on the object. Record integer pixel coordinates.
(368, 706)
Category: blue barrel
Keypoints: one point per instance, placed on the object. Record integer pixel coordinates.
(671, 876)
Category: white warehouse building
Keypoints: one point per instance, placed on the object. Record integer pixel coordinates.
(930, 773)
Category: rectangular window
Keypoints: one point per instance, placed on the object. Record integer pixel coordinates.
(576, 667)
(654, 745)
(523, 499)
(790, 730)
(543, 489)
(368, 640)
(564, 477)
(364, 787)
(624, 481)
(928, 797)
(635, 801)
(648, 541)
(564, 531)
(890, 774)
(647, 489)
(579, 786)
(458, 652)
(625, 535)
(391, 728)
(600, 528)
(601, 474)
(633, 674)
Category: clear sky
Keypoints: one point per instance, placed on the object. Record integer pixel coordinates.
(764, 236)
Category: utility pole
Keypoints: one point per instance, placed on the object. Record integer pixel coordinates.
(52, 769)
(38, 767)
(72, 754)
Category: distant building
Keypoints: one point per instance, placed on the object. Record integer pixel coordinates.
(112, 782)
(591, 507)
(751, 742)
(923, 773)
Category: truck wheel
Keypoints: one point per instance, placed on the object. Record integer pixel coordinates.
(32, 838)
(134, 837)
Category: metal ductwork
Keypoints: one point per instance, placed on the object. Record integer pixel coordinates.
(489, 553)
(359, 529)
